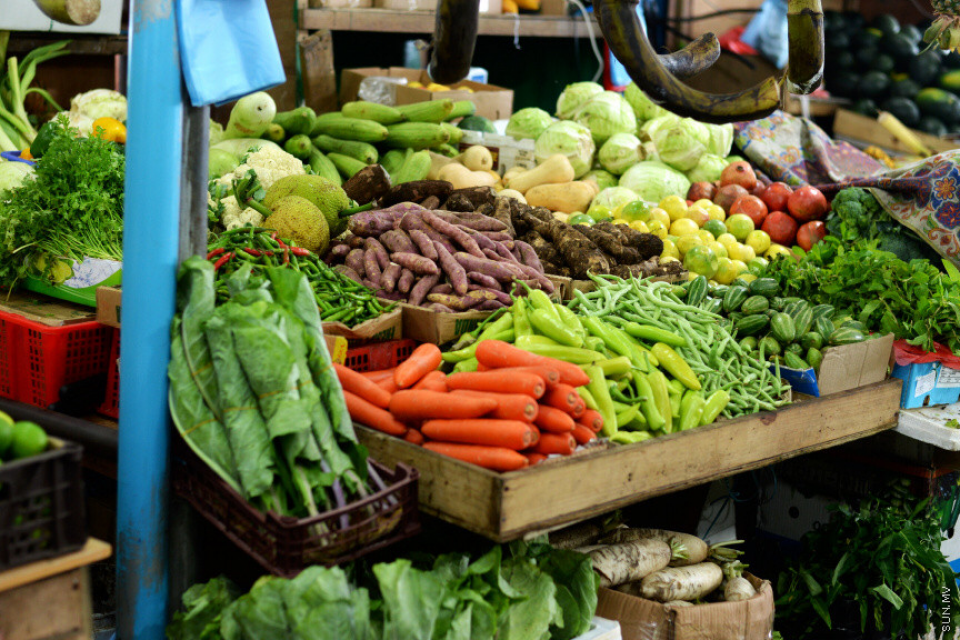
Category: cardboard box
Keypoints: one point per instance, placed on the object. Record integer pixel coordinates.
(389, 326)
(493, 102)
(647, 620)
(108, 306)
(507, 152)
(427, 325)
(845, 367)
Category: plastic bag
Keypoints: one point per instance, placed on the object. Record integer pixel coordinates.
(227, 49)
(906, 354)
(767, 32)
(380, 89)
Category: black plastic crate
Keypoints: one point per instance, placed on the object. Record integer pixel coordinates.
(42, 506)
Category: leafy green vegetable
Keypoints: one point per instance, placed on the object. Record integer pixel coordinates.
(203, 605)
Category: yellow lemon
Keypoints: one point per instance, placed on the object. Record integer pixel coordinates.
(703, 202)
(740, 266)
(661, 215)
(665, 260)
(684, 227)
(706, 236)
(740, 225)
(657, 228)
(675, 206)
(725, 239)
(686, 243)
(759, 240)
(716, 212)
(691, 275)
(746, 253)
(669, 250)
(718, 249)
(698, 215)
(776, 250)
(639, 225)
(618, 221)
(747, 277)
(726, 271)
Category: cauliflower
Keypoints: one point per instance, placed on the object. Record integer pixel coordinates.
(270, 164)
(233, 217)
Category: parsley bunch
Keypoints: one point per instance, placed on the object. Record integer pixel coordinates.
(73, 208)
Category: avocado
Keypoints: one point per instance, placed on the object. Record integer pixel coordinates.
(903, 110)
(925, 68)
(873, 84)
(929, 124)
(904, 89)
(886, 24)
(940, 104)
(866, 107)
(883, 63)
(950, 81)
(477, 123)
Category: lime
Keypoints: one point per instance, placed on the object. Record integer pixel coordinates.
(659, 214)
(698, 215)
(640, 225)
(701, 259)
(657, 228)
(636, 210)
(675, 206)
(29, 439)
(757, 265)
(684, 227)
(776, 250)
(739, 225)
(716, 212)
(686, 243)
(599, 212)
(715, 227)
(6, 433)
(759, 240)
(580, 218)
(706, 236)
(726, 272)
(718, 249)
(669, 250)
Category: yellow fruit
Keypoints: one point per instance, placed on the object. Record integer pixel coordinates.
(640, 226)
(740, 225)
(702, 260)
(691, 275)
(726, 272)
(759, 241)
(747, 253)
(669, 250)
(672, 239)
(415, 85)
(665, 260)
(777, 250)
(686, 243)
(684, 227)
(725, 239)
(740, 267)
(621, 222)
(716, 212)
(657, 228)
(675, 206)
(718, 249)
(698, 215)
(712, 283)
(747, 277)
(706, 236)
(661, 215)
(113, 130)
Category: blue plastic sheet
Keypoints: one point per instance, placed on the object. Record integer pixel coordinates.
(227, 49)
(800, 380)
(767, 32)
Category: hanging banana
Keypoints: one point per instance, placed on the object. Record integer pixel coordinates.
(658, 75)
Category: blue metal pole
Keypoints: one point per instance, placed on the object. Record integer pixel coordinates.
(150, 247)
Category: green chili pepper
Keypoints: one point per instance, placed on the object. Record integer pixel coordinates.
(587, 398)
(648, 401)
(630, 437)
(714, 406)
(541, 301)
(691, 410)
(569, 318)
(594, 344)
(598, 388)
(551, 327)
(653, 334)
(521, 323)
(627, 416)
(615, 367)
(529, 341)
(469, 364)
(676, 365)
(661, 395)
(560, 352)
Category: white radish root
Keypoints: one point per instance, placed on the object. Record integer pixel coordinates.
(738, 589)
(686, 549)
(629, 562)
(682, 583)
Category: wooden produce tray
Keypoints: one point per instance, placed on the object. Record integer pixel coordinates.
(507, 506)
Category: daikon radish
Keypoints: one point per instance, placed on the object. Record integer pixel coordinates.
(682, 583)
(631, 561)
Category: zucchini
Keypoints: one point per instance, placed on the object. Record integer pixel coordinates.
(346, 165)
(416, 135)
(362, 151)
(429, 111)
(392, 161)
(344, 128)
(416, 167)
(381, 113)
(462, 109)
(323, 167)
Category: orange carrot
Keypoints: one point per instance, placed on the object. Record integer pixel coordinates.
(578, 410)
(433, 381)
(500, 381)
(564, 444)
(495, 458)
(483, 367)
(367, 389)
(583, 434)
(592, 419)
(554, 420)
(535, 458)
(378, 375)
(415, 437)
(497, 354)
(511, 406)
(389, 385)
(550, 375)
(373, 416)
(423, 360)
(409, 405)
(509, 434)
(562, 396)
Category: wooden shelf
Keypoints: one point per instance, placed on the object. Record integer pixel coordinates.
(94, 551)
(394, 21)
(507, 506)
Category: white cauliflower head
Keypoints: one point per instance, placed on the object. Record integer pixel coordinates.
(234, 217)
(270, 164)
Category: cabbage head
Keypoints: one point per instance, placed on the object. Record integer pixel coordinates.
(653, 181)
(100, 103)
(721, 139)
(604, 179)
(613, 197)
(13, 174)
(650, 127)
(575, 96)
(680, 145)
(606, 114)
(620, 152)
(528, 123)
(708, 169)
(644, 108)
(572, 140)
(698, 130)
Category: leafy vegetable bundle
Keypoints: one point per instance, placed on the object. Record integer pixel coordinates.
(253, 393)
(72, 209)
(530, 592)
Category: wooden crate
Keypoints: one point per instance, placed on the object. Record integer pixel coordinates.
(506, 506)
(854, 126)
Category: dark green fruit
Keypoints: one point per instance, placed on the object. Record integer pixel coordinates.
(929, 124)
(911, 31)
(886, 24)
(904, 110)
(904, 89)
(925, 68)
(902, 48)
(952, 60)
(29, 439)
(950, 81)
(866, 107)
(873, 84)
(844, 60)
(883, 63)
(940, 104)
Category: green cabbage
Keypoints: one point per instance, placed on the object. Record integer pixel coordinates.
(681, 145)
(572, 140)
(528, 123)
(721, 139)
(643, 107)
(12, 174)
(620, 152)
(575, 96)
(604, 179)
(698, 130)
(708, 169)
(613, 197)
(100, 103)
(606, 114)
(650, 127)
(653, 181)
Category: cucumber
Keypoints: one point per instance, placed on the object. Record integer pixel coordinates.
(346, 165)
(322, 166)
(749, 343)
(712, 305)
(777, 303)
(822, 310)
(734, 298)
(803, 319)
(752, 325)
(854, 324)
(362, 151)
(824, 327)
(372, 111)
(794, 347)
(429, 111)
(766, 287)
(351, 129)
(782, 328)
(697, 291)
(755, 304)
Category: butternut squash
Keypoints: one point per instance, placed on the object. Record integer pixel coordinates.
(555, 170)
(462, 178)
(511, 193)
(566, 197)
(513, 172)
(476, 158)
(437, 162)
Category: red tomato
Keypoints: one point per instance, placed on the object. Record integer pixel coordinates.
(806, 204)
(810, 234)
(781, 228)
(751, 206)
(775, 196)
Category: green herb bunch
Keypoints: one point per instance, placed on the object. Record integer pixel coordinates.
(73, 208)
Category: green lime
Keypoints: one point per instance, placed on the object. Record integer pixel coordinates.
(636, 210)
(702, 260)
(599, 212)
(581, 218)
(6, 433)
(29, 439)
(715, 227)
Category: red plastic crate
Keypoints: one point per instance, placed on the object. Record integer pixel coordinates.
(111, 400)
(36, 360)
(379, 355)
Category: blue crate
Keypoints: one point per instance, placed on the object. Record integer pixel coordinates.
(927, 384)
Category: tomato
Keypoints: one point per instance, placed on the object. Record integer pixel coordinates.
(781, 228)
(806, 204)
(751, 206)
(729, 194)
(776, 195)
(810, 234)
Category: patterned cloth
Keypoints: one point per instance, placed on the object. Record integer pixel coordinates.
(924, 196)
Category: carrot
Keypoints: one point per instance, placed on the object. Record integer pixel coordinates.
(578, 410)
(373, 416)
(502, 381)
(509, 434)
(424, 405)
(498, 354)
(562, 396)
(414, 437)
(562, 443)
(495, 458)
(378, 375)
(483, 367)
(433, 381)
(367, 389)
(550, 376)
(510, 406)
(423, 360)
(554, 420)
(535, 458)
(583, 434)
(389, 385)
(592, 419)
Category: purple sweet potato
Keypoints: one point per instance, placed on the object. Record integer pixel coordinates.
(491, 305)
(388, 279)
(414, 222)
(405, 281)
(484, 280)
(442, 308)
(355, 242)
(347, 271)
(371, 266)
(420, 290)
(483, 241)
(370, 224)
(457, 303)
(393, 296)
(383, 259)
(453, 232)
(474, 221)
(497, 270)
(416, 263)
(397, 240)
(456, 274)
(528, 256)
(355, 261)
(490, 294)
(424, 243)
(498, 236)
(442, 288)
(339, 252)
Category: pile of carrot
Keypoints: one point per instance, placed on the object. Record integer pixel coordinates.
(515, 411)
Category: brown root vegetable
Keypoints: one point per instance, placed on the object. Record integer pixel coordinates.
(577, 251)
(498, 270)
(371, 224)
(453, 232)
(383, 259)
(424, 244)
(368, 184)
(371, 266)
(472, 198)
(416, 263)
(416, 191)
(630, 561)
(498, 236)
(491, 294)
(405, 281)
(388, 279)
(456, 274)
(397, 241)
(430, 202)
(503, 212)
(443, 288)
(421, 288)
(687, 549)
(393, 296)
(682, 583)
(528, 256)
(484, 281)
(455, 302)
(471, 221)
(576, 536)
(544, 249)
(347, 271)
(339, 252)
(608, 242)
(491, 305)
(442, 308)
(355, 242)
(354, 260)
